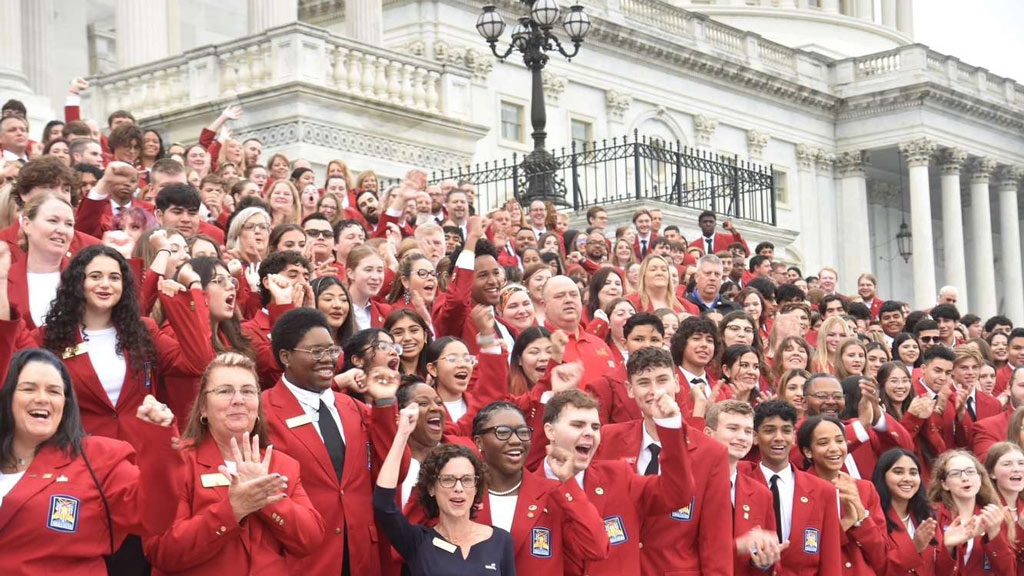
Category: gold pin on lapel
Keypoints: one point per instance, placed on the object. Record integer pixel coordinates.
(599, 491)
(47, 476)
(803, 499)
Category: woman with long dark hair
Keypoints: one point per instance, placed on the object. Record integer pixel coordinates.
(905, 349)
(333, 300)
(914, 543)
(368, 349)
(605, 285)
(413, 334)
(529, 359)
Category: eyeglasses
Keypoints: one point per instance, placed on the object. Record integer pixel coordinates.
(825, 397)
(225, 282)
(505, 432)
(965, 473)
(228, 392)
(386, 347)
(423, 273)
(318, 353)
(325, 234)
(448, 481)
(455, 358)
(743, 329)
(929, 339)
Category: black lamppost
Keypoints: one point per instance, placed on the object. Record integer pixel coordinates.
(904, 239)
(533, 38)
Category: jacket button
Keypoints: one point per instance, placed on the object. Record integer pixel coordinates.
(848, 565)
(641, 545)
(337, 530)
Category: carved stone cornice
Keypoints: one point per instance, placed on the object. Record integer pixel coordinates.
(475, 59)
(981, 170)
(805, 156)
(918, 152)
(931, 96)
(554, 86)
(826, 160)
(852, 164)
(756, 143)
(617, 104)
(951, 160)
(1008, 178)
(704, 128)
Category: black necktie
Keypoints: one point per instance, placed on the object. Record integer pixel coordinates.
(777, 503)
(711, 245)
(332, 438)
(643, 248)
(652, 466)
(970, 409)
(697, 382)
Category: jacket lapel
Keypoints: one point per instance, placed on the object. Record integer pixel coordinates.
(530, 508)
(353, 426)
(208, 460)
(305, 434)
(43, 471)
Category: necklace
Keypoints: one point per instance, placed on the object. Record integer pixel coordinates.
(506, 492)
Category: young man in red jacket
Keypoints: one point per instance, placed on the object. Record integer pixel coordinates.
(692, 538)
(807, 508)
(710, 241)
(757, 547)
(623, 498)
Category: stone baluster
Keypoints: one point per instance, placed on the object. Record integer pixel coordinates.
(355, 75)
(407, 98)
(159, 99)
(369, 74)
(242, 65)
(380, 87)
(256, 65)
(228, 76)
(433, 101)
(395, 82)
(419, 93)
(340, 73)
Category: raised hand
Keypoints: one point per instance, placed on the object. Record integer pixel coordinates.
(559, 340)
(483, 319)
(248, 464)
(665, 406)
(158, 240)
(407, 418)
(924, 534)
(922, 407)
(153, 411)
(186, 276)
(78, 85)
(120, 241)
(353, 379)
(280, 287)
(232, 112)
(382, 382)
(992, 517)
(566, 376)
(252, 276)
(959, 532)
(866, 406)
(561, 462)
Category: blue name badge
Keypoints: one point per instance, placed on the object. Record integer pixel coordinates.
(811, 539)
(616, 530)
(63, 514)
(685, 514)
(540, 543)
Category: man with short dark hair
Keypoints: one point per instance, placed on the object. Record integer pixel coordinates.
(766, 249)
(997, 324)
(86, 151)
(640, 330)
(940, 414)
(1014, 358)
(538, 214)
(672, 233)
(644, 234)
(113, 194)
(694, 347)
(867, 288)
(947, 317)
(926, 331)
(832, 305)
(710, 242)
(279, 273)
(597, 217)
(890, 316)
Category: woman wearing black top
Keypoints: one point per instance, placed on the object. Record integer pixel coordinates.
(450, 486)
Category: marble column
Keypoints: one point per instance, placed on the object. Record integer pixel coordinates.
(141, 27)
(809, 216)
(855, 233)
(889, 13)
(950, 162)
(826, 196)
(38, 19)
(866, 10)
(12, 74)
(1011, 277)
(983, 273)
(365, 20)
(905, 17)
(265, 14)
(918, 154)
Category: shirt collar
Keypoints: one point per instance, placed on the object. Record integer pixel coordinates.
(309, 398)
(785, 476)
(549, 473)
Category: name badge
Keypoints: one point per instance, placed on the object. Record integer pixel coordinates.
(540, 545)
(616, 530)
(446, 546)
(811, 537)
(297, 421)
(63, 514)
(72, 351)
(214, 480)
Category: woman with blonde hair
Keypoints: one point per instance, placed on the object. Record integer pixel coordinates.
(285, 206)
(339, 169)
(792, 353)
(1005, 466)
(833, 330)
(231, 153)
(622, 254)
(368, 181)
(850, 359)
(655, 287)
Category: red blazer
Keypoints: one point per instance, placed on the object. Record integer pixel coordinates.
(206, 538)
(12, 236)
(346, 506)
(257, 330)
(987, 557)
(903, 559)
(1002, 377)
(99, 416)
(865, 454)
(636, 245)
(864, 546)
(625, 500)
(721, 243)
(876, 307)
(188, 321)
(814, 546)
(988, 431)
(54, 520)
(985, 406)
(208, 140)
(753, 509)
(17, 288)
(692, 539)
(94, 217)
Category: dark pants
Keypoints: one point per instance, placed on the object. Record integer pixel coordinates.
(129, 560)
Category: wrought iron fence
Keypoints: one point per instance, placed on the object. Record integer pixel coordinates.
(633, 170)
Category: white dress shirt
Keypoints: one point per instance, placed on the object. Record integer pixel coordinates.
(645, 457)
(706, 387)
(310, 403)
(787, 487)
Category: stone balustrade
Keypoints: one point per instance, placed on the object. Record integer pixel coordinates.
(289, 54)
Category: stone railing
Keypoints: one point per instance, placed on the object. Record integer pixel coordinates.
(914, 64)
(296, 53)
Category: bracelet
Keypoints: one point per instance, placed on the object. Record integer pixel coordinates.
(163, 250)
(195, 282)
(384, 402)
(485, 341)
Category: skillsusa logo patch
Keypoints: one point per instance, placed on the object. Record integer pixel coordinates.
(63, 515)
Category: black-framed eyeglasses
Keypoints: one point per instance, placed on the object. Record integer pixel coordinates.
(423, 273)
(318, 353)
(325, 234)
(448, 480)
(505, 432)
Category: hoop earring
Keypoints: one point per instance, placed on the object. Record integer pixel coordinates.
(204, 420)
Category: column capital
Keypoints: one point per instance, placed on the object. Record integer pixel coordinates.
(756, 143)
(705, 128)
(981, 169)
(617, 104)
(951, 160)
(918, 152)
(825, 159)
(853, 163)
(1008, 178)
(805, 157)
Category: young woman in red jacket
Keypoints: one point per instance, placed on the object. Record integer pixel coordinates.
(1005, 465)
(913, 541)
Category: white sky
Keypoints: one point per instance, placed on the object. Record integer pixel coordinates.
(978, 32)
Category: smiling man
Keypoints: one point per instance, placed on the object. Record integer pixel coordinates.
(640, 331)
(693, 348)
(563, 308)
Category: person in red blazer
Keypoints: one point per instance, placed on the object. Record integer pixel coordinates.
(903, 499)
(74, 497)
(278, 274)
(690, 539)
(968, 508)
(809, 509)
(822, 441)
(1014, 359)
(344, 500)
(757, 547)
(719, 241)
(640, 330)
(95, 213)
(366, 278)
(244, 508)
(552, 523)
(623, 498)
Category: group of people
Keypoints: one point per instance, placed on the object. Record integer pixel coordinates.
(214, 362)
